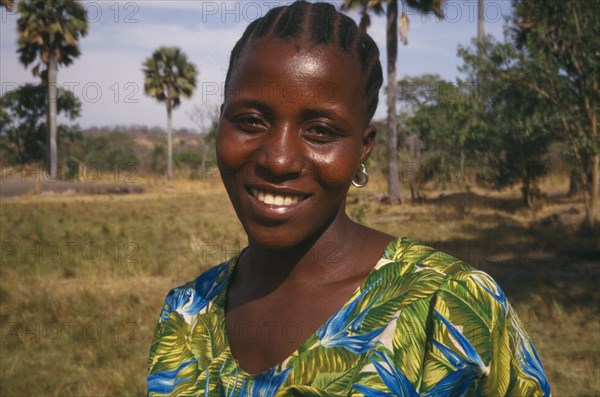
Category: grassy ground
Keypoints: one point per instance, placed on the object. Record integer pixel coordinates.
(83, 277)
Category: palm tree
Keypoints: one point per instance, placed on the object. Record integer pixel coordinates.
(8, 4)
(169, 76)
(49, 31)
(377, 6)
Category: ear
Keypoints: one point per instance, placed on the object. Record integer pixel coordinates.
(368, 142)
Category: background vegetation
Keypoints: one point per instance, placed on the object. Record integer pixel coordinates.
(501, 167)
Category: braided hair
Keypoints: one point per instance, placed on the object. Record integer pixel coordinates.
(322, 24)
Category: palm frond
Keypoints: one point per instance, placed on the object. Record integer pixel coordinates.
(169, 76)
(50, 30)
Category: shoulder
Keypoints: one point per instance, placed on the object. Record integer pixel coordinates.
(416, 258)
(422, 282)
(411, 253)
(473, 334)
(192, 297)
(452, 287)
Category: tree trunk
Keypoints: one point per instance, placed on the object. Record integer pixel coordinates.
(51, 115)
(593, 213)
(461, 171)
(574, 183)
(443, 174)
(480, 22)
(392, 54)
(203, 161)
(169, 141)
(480, 34)
(526, 194)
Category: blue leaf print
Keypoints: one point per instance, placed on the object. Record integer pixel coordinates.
(164, 382)
(370, 392)
(532, 366)
(236, 373)
(335, 331)
(207, 385)
(395, 380)
(189, 301)
(499, 296)
(206, 284)
(472, 355)
(265, 384)
(457, 383)
(184, 301)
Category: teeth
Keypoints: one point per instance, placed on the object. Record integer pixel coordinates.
(277, 199)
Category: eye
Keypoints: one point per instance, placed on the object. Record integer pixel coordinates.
(322, 133)
(249, 122)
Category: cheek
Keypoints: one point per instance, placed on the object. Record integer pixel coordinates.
(230, 152)
(335, 169)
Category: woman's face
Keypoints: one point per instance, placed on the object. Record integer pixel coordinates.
(292, 133)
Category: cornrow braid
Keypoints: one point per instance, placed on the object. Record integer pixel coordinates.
(325, 26)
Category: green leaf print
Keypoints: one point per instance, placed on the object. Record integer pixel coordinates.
(410, 338)
(173, 347)
(320, 359)
(334, 382)
(207, 338)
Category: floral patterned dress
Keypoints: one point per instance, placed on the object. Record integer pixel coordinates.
(421, 324)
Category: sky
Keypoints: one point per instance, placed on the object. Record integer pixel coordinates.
(108, 78)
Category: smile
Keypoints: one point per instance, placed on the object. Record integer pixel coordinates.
(281, 200)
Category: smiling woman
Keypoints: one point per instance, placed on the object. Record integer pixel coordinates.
(287, 164)
(318, 304)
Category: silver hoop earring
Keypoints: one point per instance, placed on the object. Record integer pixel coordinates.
(361, 178)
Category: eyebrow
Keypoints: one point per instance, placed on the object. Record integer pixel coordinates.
(251, 103)
(305, 114)
(330, 114)
(319, 112)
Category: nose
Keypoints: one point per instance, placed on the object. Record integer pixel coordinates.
(280, 157)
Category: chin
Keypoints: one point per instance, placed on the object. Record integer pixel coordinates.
(272, 240)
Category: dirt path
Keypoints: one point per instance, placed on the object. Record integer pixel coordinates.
(14, 189)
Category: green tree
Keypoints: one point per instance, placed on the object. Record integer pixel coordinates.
(515, 126)
(168, 77)
(440, 117)
(490, 116)
(49, 32)
(561, 40)
(23, 114)
(391, 11)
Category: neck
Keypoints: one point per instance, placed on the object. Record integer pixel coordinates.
(321, 255)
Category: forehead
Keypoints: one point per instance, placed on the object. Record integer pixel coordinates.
(325, 72)
(298, 48)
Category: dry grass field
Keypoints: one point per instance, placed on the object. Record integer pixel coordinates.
(83, 277)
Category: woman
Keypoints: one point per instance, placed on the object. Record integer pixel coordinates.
(318, 304)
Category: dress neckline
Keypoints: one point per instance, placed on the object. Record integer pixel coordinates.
(221, 298)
